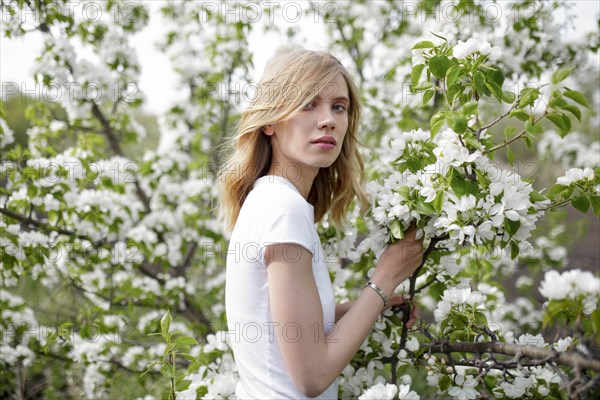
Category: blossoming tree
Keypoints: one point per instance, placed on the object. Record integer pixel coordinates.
(112, 260)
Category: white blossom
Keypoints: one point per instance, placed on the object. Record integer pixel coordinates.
(575, 175)
(518, 387)
(563, 344)
(472, 45)
(404, 393)
(379, 392)
(531, 340)
(569, 284)
(412, 344)
(456, 297)
(572, 151)
(7, 136)
(464, 387)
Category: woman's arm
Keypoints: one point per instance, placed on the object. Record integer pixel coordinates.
(315, 361)
(342, 308)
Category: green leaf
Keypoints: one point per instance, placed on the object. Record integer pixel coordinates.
(454, 91)
(201, 391)
(480, 318)
(165, 323)
(461, 186)
(562, 122)
(438, 65)
(561, 74)
(185, 341)
(436, 122)
(577, 96)
(396, 230)
(532, 128)
(573, 110)
(508, 96)
(568, 192)
(424, 208)
(424, 44)
(595, 202)
(459, 321)
(495, 75)
(437, 290)
(183, 385)
(189, 357)
(528, 97)
(415, 74)
(509, 132)
(148, 369)
(32, 191)
(403, 191)
(479, 82)
(457, 122)
(511, 226)
(556, 189)
(438, 201)
(536, 197)
(495, 89)
(553, 309)
(482, 178)
(470, 108)
(581, 203)
(444, 382)
(414, 164)
(519, 114)
(510, 156)
(452, 75)
(556, 99)
(596, 322)
(514, 250)
(439, 36)
(167, 371)
(427, 96)
(422, 87)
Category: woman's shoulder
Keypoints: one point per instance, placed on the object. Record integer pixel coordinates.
(271, 193)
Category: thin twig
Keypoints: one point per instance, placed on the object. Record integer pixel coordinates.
(501, 117)
(516, 137)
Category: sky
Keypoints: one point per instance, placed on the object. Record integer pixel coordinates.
(158, 80)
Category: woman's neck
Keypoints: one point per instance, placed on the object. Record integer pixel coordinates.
(301, 178)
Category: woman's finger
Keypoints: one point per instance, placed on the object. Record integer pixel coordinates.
(397, 300)
(414, 313)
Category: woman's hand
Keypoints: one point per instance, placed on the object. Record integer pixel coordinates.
(399, 303)
(399, 261)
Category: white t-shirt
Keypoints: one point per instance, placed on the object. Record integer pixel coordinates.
(274, 212)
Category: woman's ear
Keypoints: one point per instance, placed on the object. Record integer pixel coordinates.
(268, 130)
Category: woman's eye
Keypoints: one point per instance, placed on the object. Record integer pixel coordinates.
(309, 106)
(340, 107)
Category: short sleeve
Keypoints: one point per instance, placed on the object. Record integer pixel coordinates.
(287, 226)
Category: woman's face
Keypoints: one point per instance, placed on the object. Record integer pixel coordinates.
(313, 137)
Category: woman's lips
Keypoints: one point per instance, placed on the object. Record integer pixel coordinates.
(325, 142)
(324, 145)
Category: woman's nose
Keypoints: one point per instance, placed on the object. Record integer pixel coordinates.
(326, 120)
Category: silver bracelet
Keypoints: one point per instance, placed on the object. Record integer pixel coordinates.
(379, 291)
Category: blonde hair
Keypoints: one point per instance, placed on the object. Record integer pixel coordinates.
(292, 78)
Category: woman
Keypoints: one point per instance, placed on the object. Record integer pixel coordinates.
(294, 159)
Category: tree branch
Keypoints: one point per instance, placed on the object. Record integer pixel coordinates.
(535, 353)
(494, 122)
(114, 362)
(47, 227)
(516, 137)
(412, 289)
(116, 147)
